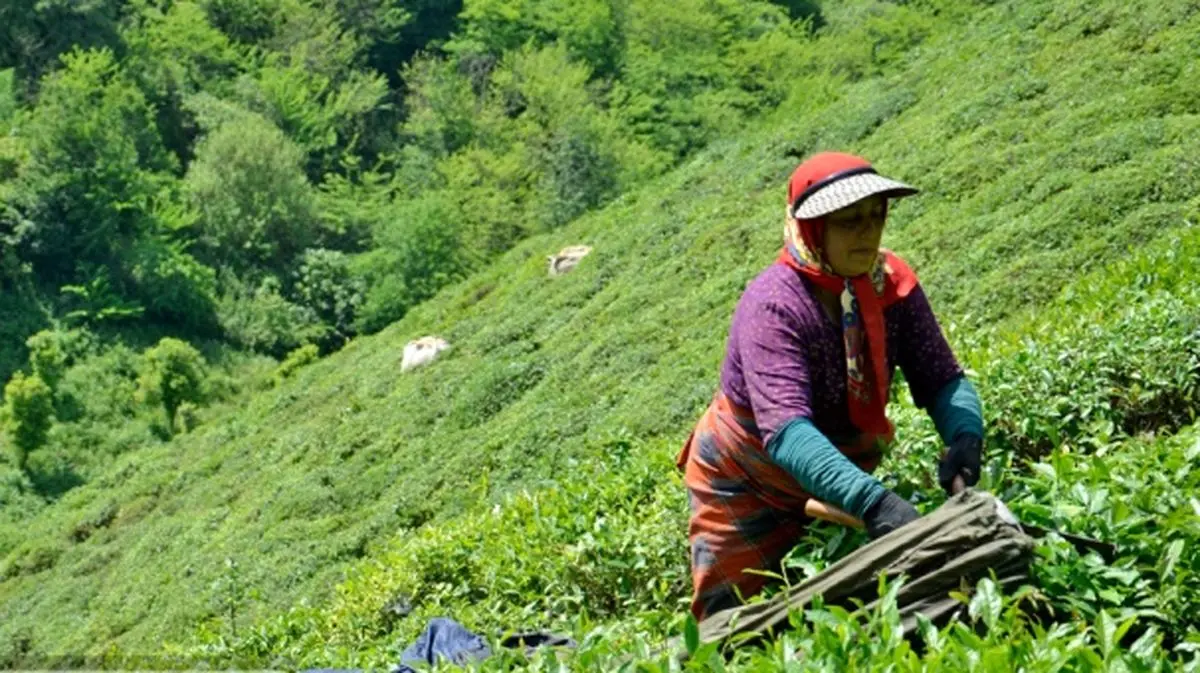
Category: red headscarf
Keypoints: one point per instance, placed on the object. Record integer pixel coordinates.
(862, 298)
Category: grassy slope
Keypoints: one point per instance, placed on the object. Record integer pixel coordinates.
(1033, 170)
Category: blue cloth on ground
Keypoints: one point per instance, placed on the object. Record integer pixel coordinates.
(446, 641)
(443, 640)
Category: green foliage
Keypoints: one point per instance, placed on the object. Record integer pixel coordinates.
(23, 313)
(565, 400)
(325, 118)
(51, 352)
(34, 34)
(351, 207)
(8, 102)
(187, 417)
(100, 385)
(260, 319)
(32, 558)
(18, 499)
(255, 208)
(589, 30)
(29, 410)
(493, 390)
(47, 358)
(324, 285)
(302, 356)
(573, 143)
(93, 174)
(533, 549)
(578, 176)
(1082, 383)
(524, 115)
(175, 52)
(417, 253)
(172, 373)
(95, 302)
(13, 156)
(678, 88)
(173, 286)
(1139, 498)
(490, 189)
(441, 105)
(244, 21)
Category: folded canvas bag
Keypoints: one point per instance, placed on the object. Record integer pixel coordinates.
(970, 537)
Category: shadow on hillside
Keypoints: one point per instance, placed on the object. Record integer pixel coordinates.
(52, 482)
(803, 9)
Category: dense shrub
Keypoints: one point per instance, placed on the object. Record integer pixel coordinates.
(174, 52)
(51, 352)
(29, 411)
(100, 386)
(298, 358)
(261, 319)
(172, 373)
(1079, 387)
(256, 209)
(173, 286)
(325, 285)
(18, 500)
(95, 167)
(418, 252)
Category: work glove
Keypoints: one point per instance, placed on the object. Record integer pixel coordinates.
(962, 459)
(887, 514)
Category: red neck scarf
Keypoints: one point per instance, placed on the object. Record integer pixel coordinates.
(862, 300)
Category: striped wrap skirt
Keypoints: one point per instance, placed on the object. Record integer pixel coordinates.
(747, 512)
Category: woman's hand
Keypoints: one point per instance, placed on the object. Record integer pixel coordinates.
(962, 460)
(887, 514)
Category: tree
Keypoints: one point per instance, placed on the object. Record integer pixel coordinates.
(29, 408)
(589, 29)
(258, 317)
(573, 141)
(172, 373)
(327, 118)
(34, 34)
(325, 285)
(678, 85)
(256, 210)
(244, 21)
(173, 53)
(172, 285)
(442, 106)
(418, 252)
(52, 351)
(95, 170)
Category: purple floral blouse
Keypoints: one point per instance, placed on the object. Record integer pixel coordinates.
(785, 357)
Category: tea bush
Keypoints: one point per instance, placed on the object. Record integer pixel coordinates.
(298, 358)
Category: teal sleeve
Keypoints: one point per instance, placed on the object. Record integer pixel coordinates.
(823, 471)
(956, 410)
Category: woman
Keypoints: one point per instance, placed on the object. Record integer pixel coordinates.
(800, 412)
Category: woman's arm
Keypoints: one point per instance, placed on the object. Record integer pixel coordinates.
(956, 410)
(939, 385)
(822, 470)
(775, 369)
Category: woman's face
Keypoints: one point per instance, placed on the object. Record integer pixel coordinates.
(853, 234)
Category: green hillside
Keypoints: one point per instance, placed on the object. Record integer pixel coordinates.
(525, 479)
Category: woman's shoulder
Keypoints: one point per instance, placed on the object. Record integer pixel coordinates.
(779, 289)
